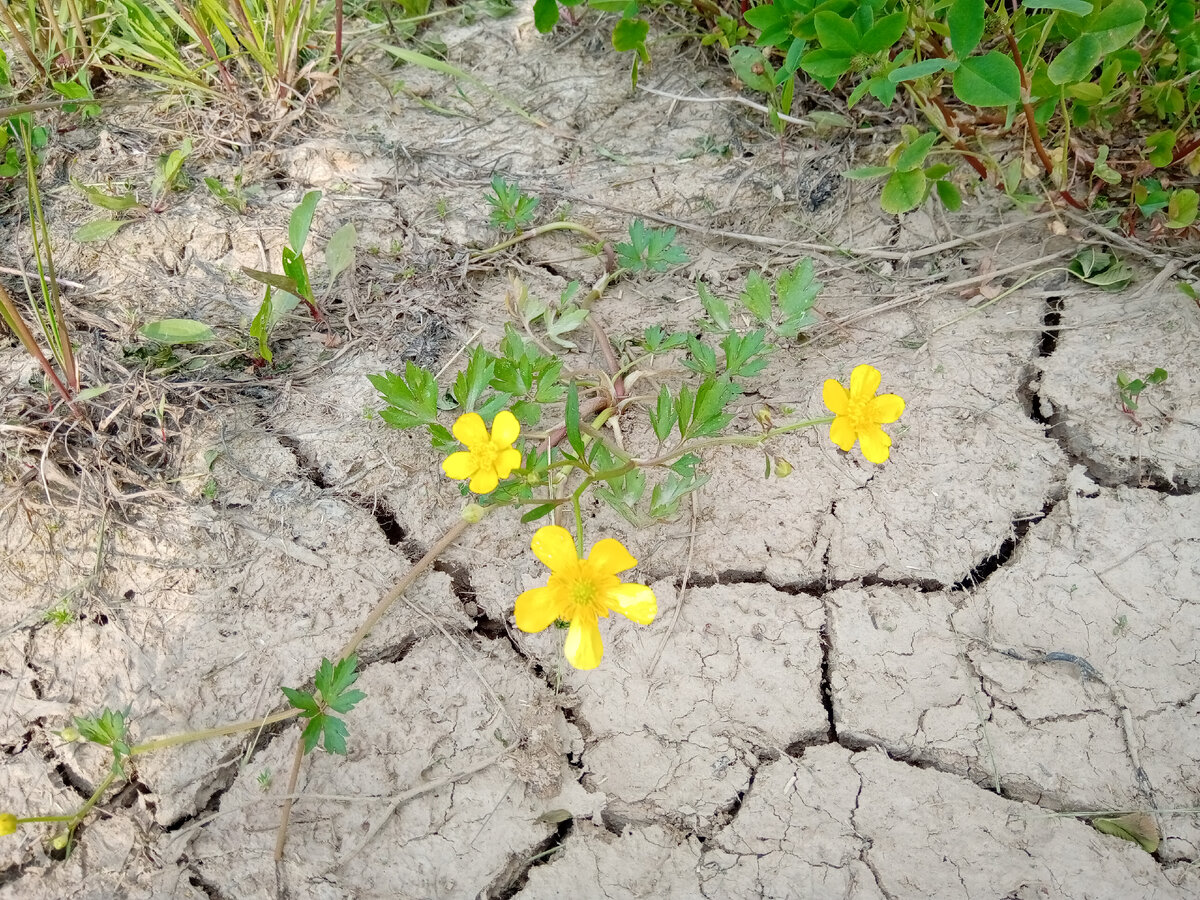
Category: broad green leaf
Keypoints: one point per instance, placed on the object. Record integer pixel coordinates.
(282, 282)
(301, 220)
(988, 80)
(339, 254)
(884, 33)
(112, 202)
(827, 63)
(921, 69)
(98, 230)
(1117, 24)
(1182, 210)
(545, 15)
(1101, 168)
(1074, 7)
(1137, 827)
(913, 156)
(757, 296)
(965, 20)
(836, 33)
(630, 34)
(747, 64)
(1076, 60)
(93, 392)
(177, 331)
(948, 193)
(903, 192)
(1162, 147)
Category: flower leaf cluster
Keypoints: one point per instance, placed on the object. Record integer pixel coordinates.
(650, 249)
(332, 695)
(109, 729)
(512, 209)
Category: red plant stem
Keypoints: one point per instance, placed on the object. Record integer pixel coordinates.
(1030, 121)
(190, 18)
(27, 340)
(337, 30)
(1184, 149)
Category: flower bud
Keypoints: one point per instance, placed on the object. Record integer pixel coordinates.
(783, 468)
(70, 734)
(8, 824)
(763, 414)
(473, 513)
(59, 841)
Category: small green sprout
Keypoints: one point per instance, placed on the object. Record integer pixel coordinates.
(265, 777)
(1130, 388)
(512, 209)
(333, 692)
(234, 198)
(169, 175)
(61, 614)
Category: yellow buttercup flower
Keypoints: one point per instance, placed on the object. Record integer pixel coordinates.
(8, 824)
(489, 458)
(580, 591)
(858, 413)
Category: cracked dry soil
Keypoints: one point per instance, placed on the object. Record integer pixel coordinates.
(883, 682)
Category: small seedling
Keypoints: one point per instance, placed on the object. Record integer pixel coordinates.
(1131, 388)
(169, 175)
(265, 777)
(61, 614)
(234, 198)
(512, 209)
(650, 249)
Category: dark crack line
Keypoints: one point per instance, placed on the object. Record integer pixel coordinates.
(515, 875)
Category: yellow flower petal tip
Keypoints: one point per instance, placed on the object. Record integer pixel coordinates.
(858, 413)
(489, 458)
(8, 824)
(581, 592)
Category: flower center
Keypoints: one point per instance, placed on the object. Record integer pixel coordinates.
(858, 412)
(583, 592)
(484, 455)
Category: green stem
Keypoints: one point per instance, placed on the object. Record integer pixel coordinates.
(204, 734)
(535, 232)
(29, 819)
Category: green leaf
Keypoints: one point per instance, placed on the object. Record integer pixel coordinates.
(1076, 61)
(904, 191)
(1182, 210)
(865, 172)
(280, 282)
(295, 268)
(111, 202)
(949, 195)
(921, 69)
(574, 438)
(537, 512)
(98, 230)
(1117, 24)
(708, 416)
(703, 359)
(749, 64)
(1102, 170)
(650, 249)
(745, 356)
(470, 383)
(988, 80)
(303, 701)
(715, 307)
(545, 15)
(630, 34)
(339, 254)
(301, 220)
(177, 331)
(797, 289)
(884, 33)
(1162, 146)
(1074, 7)
(836, 33)
(683, 410)
(913, 156)
(662, 417)
(411, 398)
(260, 328)
(757, 296)
(1138, 827)
(827, 63)
(965, 21)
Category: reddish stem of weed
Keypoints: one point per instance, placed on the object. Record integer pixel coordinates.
(959, 144)
(1184, 149)
(337, 30)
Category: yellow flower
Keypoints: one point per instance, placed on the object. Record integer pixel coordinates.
(488, 458)
(859, 413)
(8, 824)
(580, 591)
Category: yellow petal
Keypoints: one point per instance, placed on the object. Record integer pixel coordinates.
(635, 601)
(885, 408)
(554, 546)
(842, 433)
(864, 382)
(459, 465)
(470, 430)
(507, 460)
(875, 444)
(584, 648)
(505, 428)
(537, 609)
(608, 557)
(836, 398)
(484, 481)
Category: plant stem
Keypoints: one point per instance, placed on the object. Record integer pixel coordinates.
(203, 734)
(12, 318)
(286, 814)
(535, 232)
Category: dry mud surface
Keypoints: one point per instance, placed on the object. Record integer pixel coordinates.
(881, 682)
